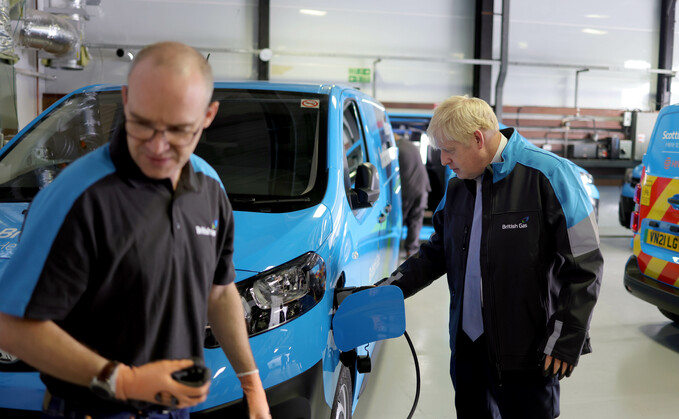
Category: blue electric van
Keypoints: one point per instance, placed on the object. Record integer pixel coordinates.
(312, 174)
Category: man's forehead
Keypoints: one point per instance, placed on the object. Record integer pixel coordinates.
(447, 144)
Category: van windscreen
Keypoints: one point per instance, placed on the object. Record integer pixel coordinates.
(268, 147)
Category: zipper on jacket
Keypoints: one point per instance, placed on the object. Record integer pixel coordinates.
(495, 344)
(465, 242)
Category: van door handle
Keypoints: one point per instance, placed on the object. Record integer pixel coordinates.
(383, 215)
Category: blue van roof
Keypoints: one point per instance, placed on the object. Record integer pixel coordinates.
(251, 84)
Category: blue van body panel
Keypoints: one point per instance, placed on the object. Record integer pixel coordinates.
(263, 241)
(280, 354)
(11, 220)
(21, 391)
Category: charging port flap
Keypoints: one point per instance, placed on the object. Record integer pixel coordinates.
(369, 315)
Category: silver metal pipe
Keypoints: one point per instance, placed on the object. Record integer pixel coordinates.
(6, 43)
(50, 33)
(372, 57)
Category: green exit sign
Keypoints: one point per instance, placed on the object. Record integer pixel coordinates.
(359, 75)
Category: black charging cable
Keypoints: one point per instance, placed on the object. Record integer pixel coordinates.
(417, 375)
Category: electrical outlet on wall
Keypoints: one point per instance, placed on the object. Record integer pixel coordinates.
(627, 119)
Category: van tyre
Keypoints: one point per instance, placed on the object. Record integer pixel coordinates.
(672, 316)
(341, 405)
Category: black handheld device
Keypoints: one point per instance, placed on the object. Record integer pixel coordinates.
(194, 376)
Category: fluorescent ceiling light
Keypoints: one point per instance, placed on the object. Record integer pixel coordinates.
(637, 64)
(595, 16)
(312, 12)
(594, 31)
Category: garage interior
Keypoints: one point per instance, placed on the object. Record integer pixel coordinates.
(582, 79)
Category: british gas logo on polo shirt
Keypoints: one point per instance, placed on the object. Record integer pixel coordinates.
(521, 224)
(208, 231)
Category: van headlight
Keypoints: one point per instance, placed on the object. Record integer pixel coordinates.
(280, 294)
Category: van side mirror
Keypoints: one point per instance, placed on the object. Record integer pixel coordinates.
(369, 315)
(367, 186)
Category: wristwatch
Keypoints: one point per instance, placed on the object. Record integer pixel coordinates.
(104, 383)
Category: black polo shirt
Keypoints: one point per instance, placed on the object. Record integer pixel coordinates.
(122, 262)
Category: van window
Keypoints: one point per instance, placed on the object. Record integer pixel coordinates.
(353, 140)
(79, 125)
(269, 148)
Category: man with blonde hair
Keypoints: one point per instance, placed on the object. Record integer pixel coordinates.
(111, 287)
(517, 238)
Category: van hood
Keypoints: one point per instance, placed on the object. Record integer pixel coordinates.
(266, 240)
(262, 240)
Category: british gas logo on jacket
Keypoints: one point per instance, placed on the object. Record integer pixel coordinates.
(513, 226)
(208, 231)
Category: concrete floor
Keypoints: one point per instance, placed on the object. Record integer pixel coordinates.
(632, 373)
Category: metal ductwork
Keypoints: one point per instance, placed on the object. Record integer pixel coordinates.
(47, 32)
(6, 42)
(57, 33)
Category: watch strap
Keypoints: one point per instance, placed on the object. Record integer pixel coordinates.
(104, 383)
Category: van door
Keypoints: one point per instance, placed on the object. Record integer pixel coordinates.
(362, 224)
(381, 138)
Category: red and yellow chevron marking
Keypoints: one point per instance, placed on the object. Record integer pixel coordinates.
(655, 192)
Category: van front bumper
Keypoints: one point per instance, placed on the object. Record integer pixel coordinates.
(300, 397)
(648, 289)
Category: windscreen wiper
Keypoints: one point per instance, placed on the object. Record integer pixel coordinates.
(254, 201)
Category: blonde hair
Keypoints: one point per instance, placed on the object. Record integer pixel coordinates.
(177, 57)
(458, 117)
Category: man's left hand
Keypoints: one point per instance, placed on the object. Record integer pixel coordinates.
(554, 367)
(255, 396)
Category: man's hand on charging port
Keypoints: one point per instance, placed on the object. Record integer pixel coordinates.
(153, 382)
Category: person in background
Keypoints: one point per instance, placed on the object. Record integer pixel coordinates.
(517, 239)
(415, 189)
(125, 257)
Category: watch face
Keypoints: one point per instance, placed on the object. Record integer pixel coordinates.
(101, 389)
(7, 358)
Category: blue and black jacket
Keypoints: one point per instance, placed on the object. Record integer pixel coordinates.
(541, 265)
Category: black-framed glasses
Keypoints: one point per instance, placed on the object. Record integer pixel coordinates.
(175, 136)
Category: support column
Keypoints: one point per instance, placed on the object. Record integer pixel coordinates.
(483, 49)
(667, 13)
(263, 26)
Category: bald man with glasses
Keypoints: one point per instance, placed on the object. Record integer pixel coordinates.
(115, 278)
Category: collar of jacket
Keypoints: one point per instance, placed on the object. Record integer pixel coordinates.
(515, 143)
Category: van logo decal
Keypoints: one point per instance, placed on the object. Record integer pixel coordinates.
(674, 135)
(671, 163)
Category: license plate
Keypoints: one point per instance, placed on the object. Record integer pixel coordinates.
(666, 241)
